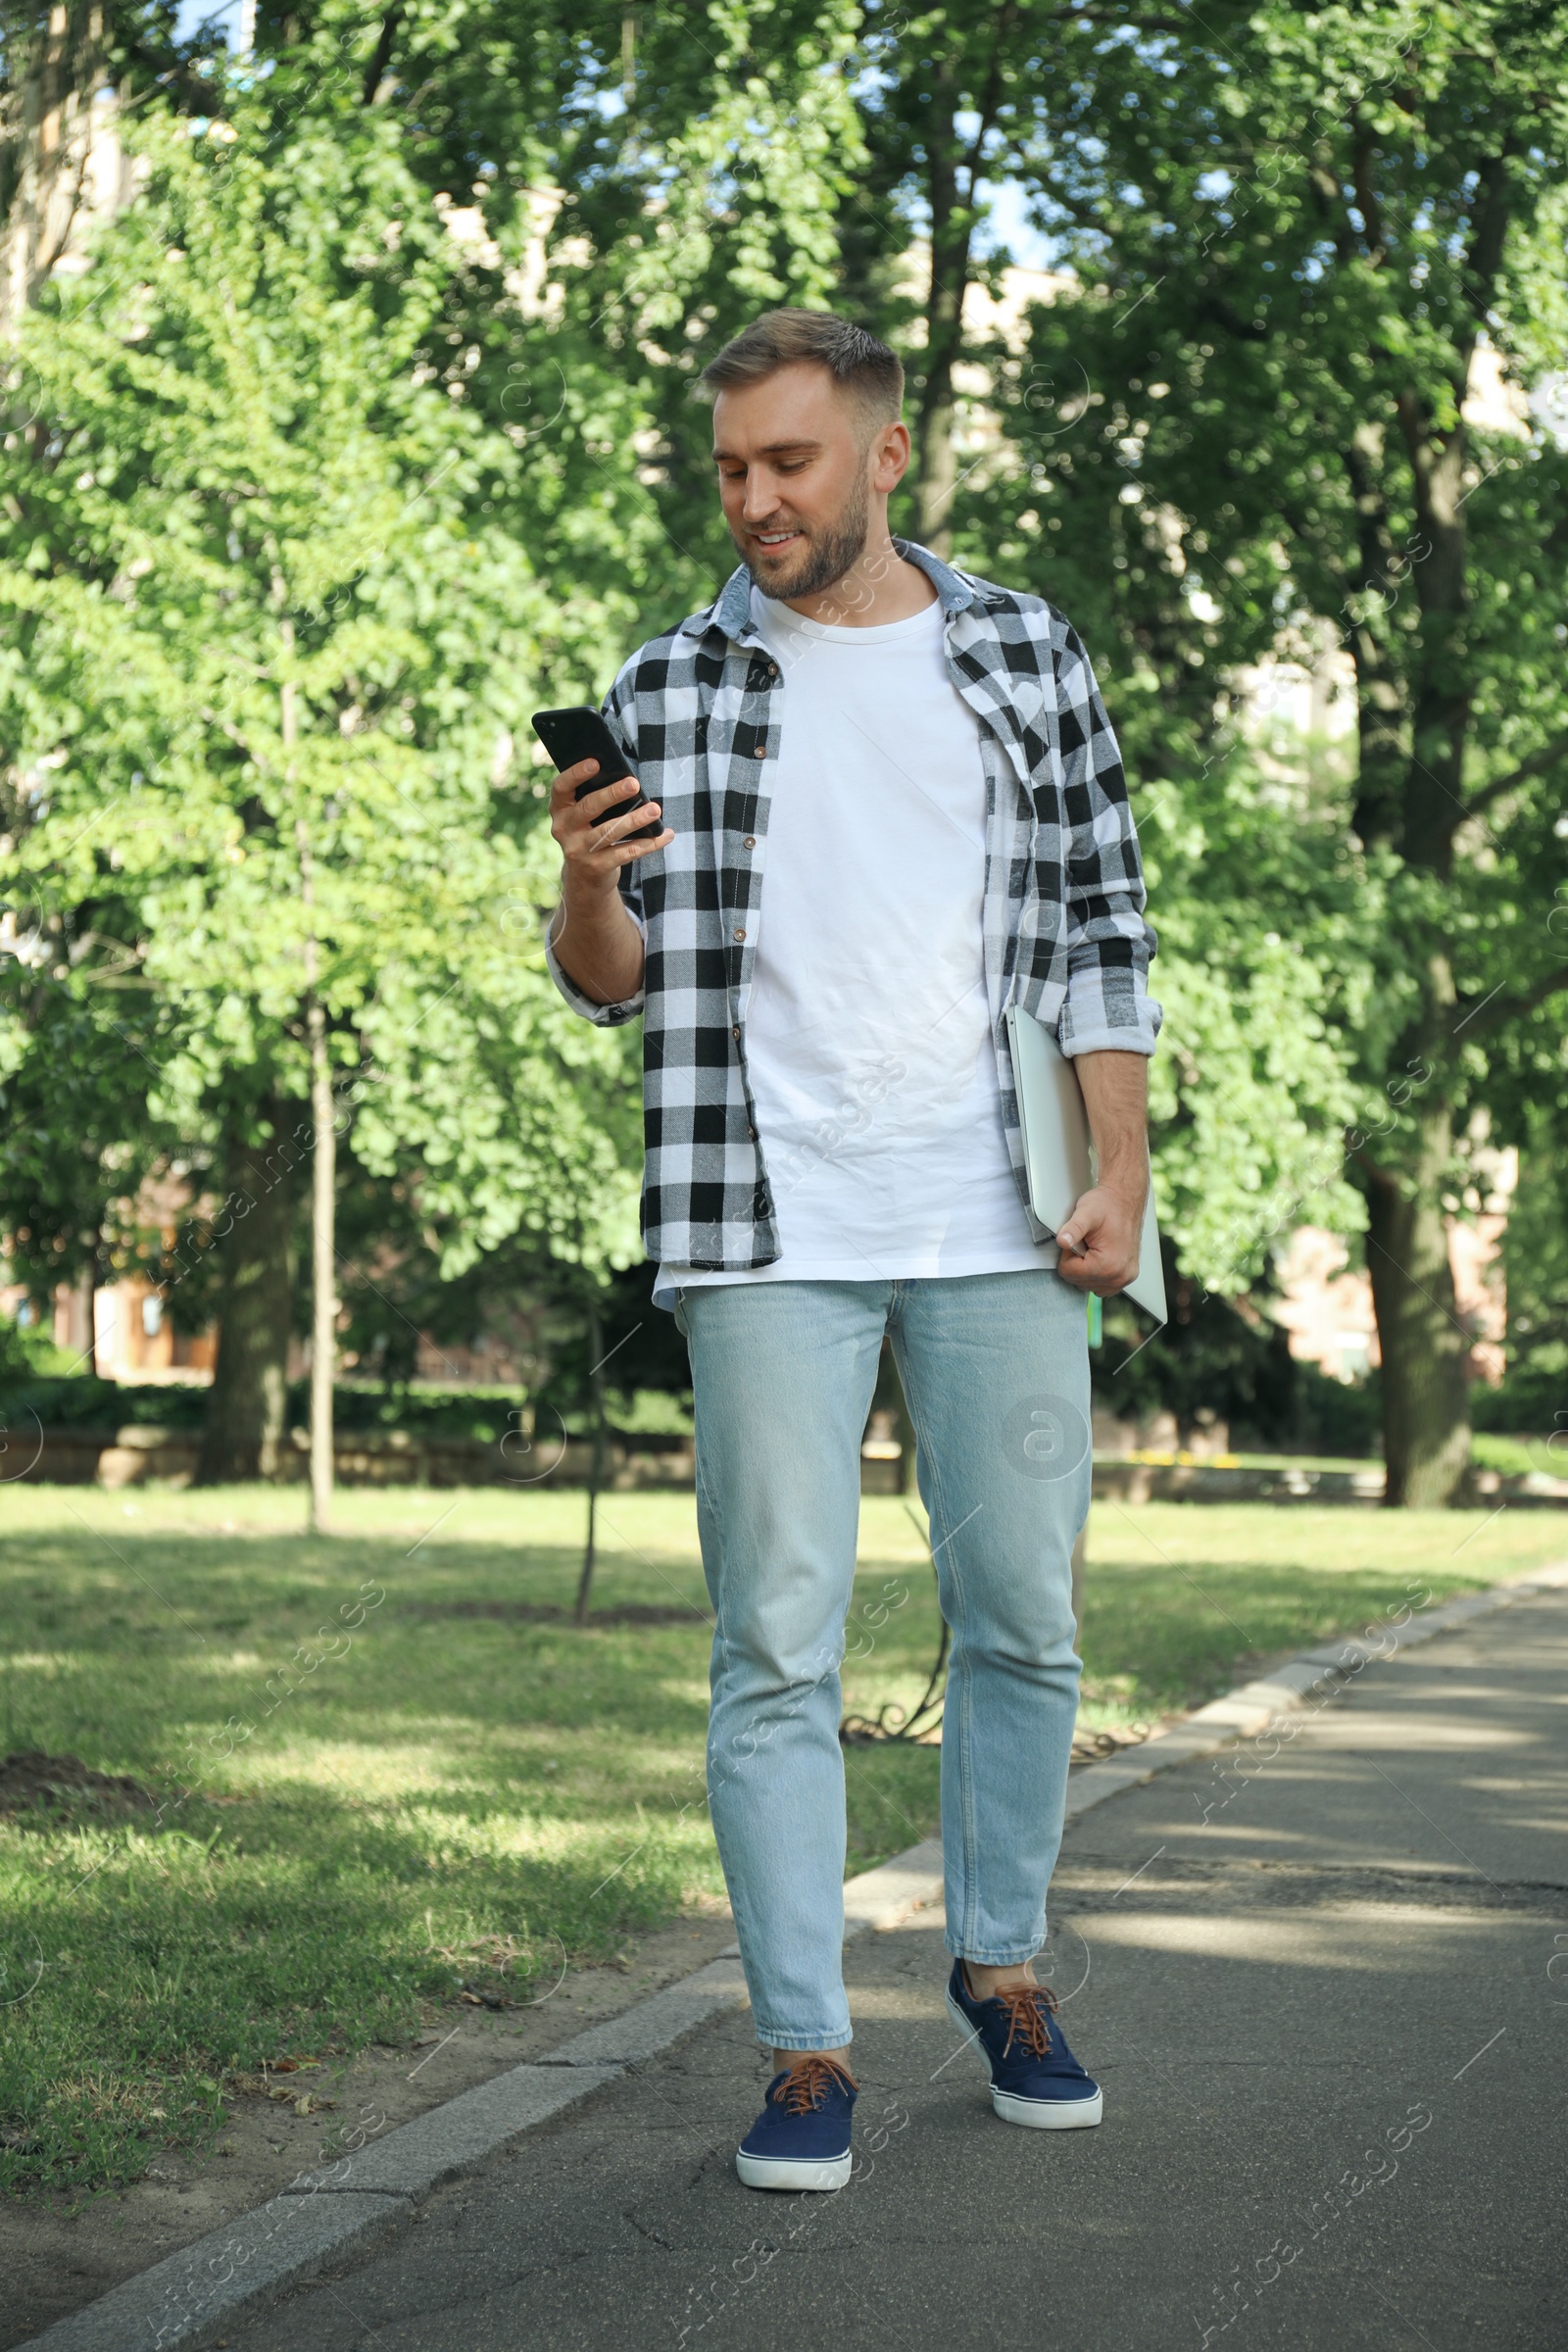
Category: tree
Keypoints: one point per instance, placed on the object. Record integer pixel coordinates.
(1291, 244)
(1251, 1094)
(629, 187)
(1301, 243)
(261, 1150)
(952, 101)
(278, 454)
(326, 463)
(266, 650)
(705, 187)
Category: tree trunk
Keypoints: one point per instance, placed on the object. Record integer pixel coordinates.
(936, 478)
(1381, 575)
(1425, 1350)
(244, 1426)
(936, 460)
(596, 1474)
(323, 1153)
(323, 1267)
(92, 1286)
(956, 162)
(1434, 794)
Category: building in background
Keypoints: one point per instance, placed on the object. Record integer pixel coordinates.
(133, 1339)
(1326, 1303)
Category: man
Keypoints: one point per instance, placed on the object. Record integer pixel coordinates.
(892, 807)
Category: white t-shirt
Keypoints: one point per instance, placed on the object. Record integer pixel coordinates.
(869, 1038)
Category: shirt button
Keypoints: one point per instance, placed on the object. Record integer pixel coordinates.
(761, 750)
(740, 935)
(752, 1132)
(736, 1031)
(750, 843)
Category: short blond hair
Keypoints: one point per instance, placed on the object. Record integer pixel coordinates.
(860, 365)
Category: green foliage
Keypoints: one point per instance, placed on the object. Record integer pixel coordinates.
(28, 1355)
(355, 441)
(377, 401)
(422, 1409)
(1233, 433)
(1312, 265)
(1261, 944)
(1519, 1457)
(1531, 1400)
(82, 1400)
(267, 658)
(233, 501)
(1535, 1254)
(79, 1138)
(1225, 1361)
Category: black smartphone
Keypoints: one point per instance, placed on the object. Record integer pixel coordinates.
(579, 733)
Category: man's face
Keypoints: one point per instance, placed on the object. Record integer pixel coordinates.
(795, 477)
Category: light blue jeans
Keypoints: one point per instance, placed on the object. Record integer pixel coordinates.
(996, 1375)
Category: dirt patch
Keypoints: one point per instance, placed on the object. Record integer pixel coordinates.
(61, 2249)
(529, 1612)
(28, 1779)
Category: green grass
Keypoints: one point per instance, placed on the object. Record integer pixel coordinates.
(350, 1825)
(1515, 1456)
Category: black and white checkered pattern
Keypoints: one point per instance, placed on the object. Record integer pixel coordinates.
(700, 712)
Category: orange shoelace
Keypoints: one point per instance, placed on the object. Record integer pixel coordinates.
(807, 2085)
(1027, 2007)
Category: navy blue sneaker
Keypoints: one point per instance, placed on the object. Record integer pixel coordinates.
(1035, 2078)
(802, 2137)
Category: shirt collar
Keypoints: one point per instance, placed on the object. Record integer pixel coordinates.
(954, 591)
(731, 612)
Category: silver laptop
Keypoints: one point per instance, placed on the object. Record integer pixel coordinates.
(1057, 1150)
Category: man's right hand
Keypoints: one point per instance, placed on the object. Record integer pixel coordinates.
(596, 941)
(595, 854)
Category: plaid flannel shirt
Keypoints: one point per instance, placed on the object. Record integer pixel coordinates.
(699, 712)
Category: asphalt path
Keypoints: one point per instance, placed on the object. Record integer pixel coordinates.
(1323, 1979)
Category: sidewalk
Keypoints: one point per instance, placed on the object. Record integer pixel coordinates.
(1326, 1991)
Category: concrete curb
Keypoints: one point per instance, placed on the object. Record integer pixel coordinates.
(193, 2296)
(455, 2137)
(345, 2209)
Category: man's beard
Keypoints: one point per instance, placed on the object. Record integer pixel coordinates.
(824, 560)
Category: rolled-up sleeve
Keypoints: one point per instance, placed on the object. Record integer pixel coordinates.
(603, 1016)
(1109, 944)
(608, 1016)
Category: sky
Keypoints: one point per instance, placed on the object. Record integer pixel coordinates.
(191, 14)
(1009, 226)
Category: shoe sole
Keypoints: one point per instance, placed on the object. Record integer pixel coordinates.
(772, 2172)
(1035, 2115)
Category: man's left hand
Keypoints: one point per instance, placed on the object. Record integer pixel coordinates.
(1100, 1241)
